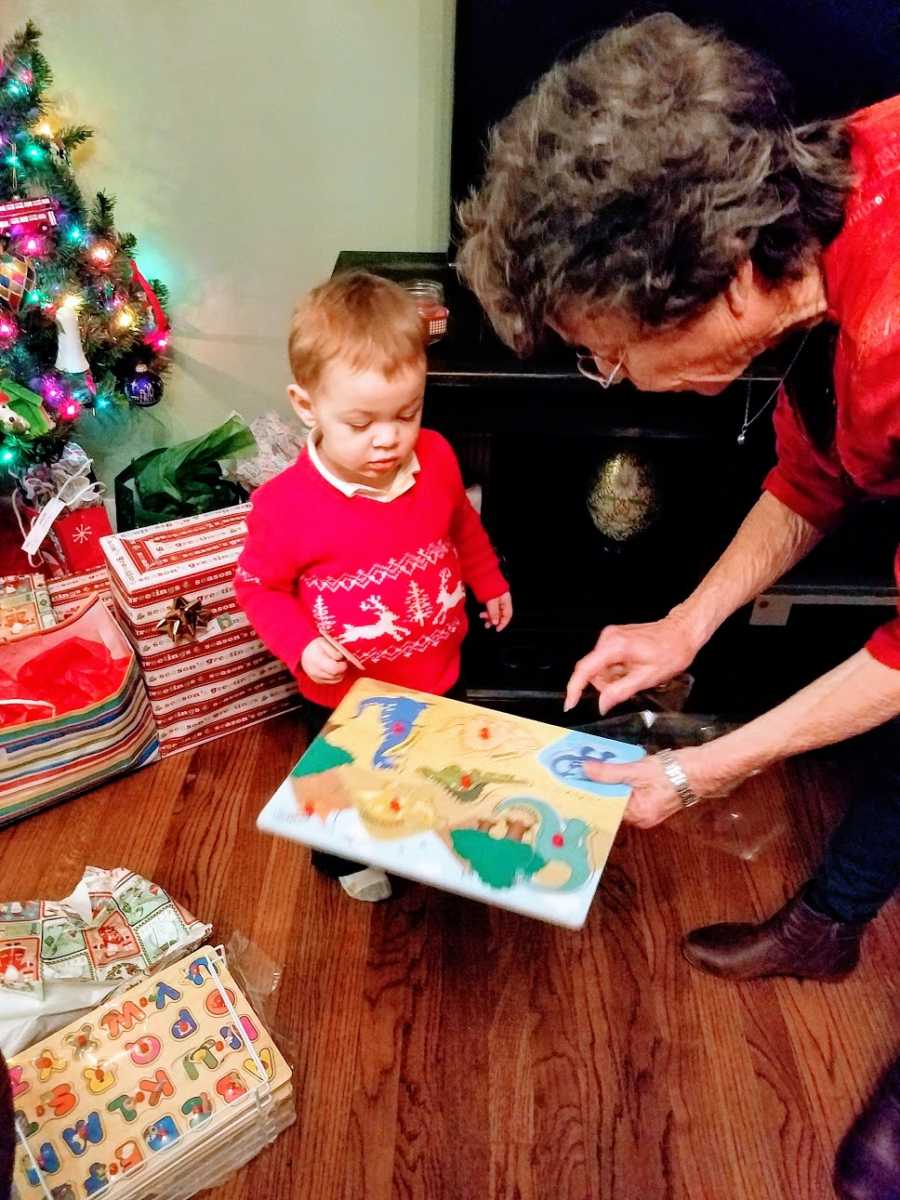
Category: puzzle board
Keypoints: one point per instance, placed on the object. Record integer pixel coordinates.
(147, 1089)
(467, 799)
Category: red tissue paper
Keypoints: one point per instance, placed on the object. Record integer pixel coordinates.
(67, 676)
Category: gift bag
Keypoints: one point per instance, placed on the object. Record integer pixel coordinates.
(73, 712)
(61, 514)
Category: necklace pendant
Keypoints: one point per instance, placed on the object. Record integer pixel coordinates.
(741, 438)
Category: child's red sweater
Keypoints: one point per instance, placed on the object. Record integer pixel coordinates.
(384, 579)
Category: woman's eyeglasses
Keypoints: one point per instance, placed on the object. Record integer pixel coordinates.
(597, 369)
(605, 372)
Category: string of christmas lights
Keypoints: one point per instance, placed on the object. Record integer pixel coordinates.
(81, 329)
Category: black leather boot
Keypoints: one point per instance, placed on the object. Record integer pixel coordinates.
(868, 1162)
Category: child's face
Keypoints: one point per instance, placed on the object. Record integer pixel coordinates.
(368, 425)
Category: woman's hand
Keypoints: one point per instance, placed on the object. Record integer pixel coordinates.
(323, 663)
(653, 799)
(631, 658)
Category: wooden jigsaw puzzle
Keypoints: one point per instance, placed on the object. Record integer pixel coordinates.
(467, 799)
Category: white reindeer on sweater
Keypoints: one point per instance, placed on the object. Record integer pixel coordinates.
(446, 600)
(385, 623)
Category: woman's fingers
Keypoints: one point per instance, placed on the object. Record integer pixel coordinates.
(622, 689)
(612, 773)
(652, 799)
(598, 667)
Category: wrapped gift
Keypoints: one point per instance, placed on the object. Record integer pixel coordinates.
(24, 606)
(207, 672)
(59, 958)
(69, 594)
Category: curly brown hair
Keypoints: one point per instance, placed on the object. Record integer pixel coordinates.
(638, 176)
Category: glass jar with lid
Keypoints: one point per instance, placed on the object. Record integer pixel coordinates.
(429, 297)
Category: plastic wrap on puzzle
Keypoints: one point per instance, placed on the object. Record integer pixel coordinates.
(163, 1091)
(738, 824)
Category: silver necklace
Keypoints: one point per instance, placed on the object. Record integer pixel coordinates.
(748, 420)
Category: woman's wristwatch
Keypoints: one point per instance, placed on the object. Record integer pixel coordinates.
(677, 778)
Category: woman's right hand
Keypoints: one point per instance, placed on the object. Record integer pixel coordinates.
(632, 658)
(323, 663)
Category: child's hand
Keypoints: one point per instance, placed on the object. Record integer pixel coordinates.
(498, 613)
(323, 663)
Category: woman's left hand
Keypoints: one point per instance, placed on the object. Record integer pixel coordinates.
(653, 799)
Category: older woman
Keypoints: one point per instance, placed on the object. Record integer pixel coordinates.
(652, 203)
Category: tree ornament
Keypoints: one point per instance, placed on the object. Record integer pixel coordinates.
(54, 240)
(624, 498)
(71, 363)
(10, 420)
(70, 356)
(17, 278)
(34, 213)
(144, 387)
(28, 406)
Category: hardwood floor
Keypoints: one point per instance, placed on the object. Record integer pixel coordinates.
(449, 1050)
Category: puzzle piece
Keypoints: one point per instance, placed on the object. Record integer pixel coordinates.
(46, 1063)
(83, 1042)
(99, 1079)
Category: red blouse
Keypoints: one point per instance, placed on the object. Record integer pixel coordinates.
(862, 284)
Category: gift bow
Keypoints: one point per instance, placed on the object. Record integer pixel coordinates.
(184, 619)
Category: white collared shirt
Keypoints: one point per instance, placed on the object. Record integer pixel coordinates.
(402, 481)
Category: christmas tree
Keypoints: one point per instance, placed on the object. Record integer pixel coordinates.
(81, 329)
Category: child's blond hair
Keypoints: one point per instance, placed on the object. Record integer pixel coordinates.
(366, 321)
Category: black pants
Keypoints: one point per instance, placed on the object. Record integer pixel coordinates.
(316, 716)
(7, 1132)
(861, 868)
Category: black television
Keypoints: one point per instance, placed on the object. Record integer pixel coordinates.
(839, 55)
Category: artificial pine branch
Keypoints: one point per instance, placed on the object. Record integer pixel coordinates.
(162, 292)
(23, 42)
(65, 188)
(102, 210)
(74, 135)
(112, 350)
(40, 69)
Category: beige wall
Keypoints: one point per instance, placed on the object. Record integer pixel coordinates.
(248, 142)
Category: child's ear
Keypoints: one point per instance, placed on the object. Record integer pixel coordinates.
(301, 403)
